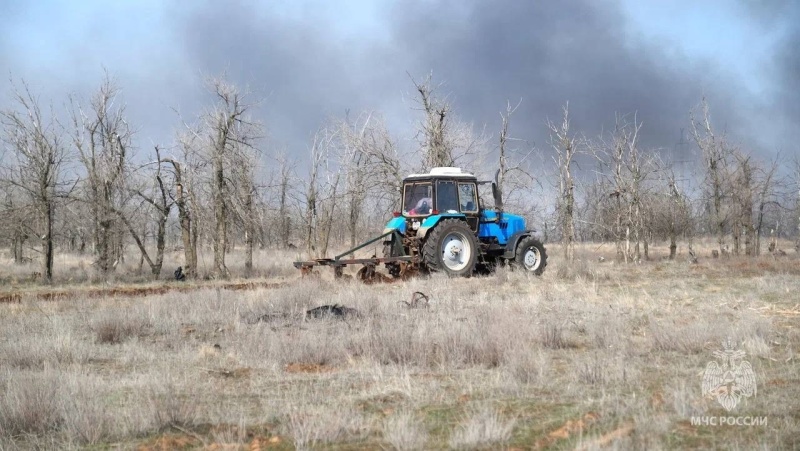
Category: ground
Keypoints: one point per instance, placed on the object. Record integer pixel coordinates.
(590, 355)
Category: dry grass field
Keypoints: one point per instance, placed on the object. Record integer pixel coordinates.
(589, 356)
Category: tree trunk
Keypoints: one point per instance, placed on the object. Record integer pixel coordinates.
(568, 226)
(283, 222)
(627, 244)
(220, 219)
(720, 221)
(17, 246)
(185, 219)
(646, 244)
(311, 213)
(328, 225)
(618, 230)
(161, 243)
(637, 231)
(103, 244)
(749, 248)
(105, 239)
(353, 226)
(673, 246)
(141, 254)
(47, 243)
(249, 234)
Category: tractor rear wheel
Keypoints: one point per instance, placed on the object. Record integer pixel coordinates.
(531, 255)
(451, 248)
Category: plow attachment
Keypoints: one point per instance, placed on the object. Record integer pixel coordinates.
(367, 273)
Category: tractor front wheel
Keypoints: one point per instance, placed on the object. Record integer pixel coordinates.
(451, 248)
(531, 255)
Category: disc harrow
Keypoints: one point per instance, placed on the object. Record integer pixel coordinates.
(368, 273)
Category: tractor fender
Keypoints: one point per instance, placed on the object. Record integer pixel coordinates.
(431, 221)
(398, 223)
(513, 240)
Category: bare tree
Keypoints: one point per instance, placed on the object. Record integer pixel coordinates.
(797, 203)
(159, 199)
(370, 166)
(511, 175)
(103, 138)
(385, 176)
(245, 202)
(437, 149)
(742, 194)
(320, 147)
(767, 189)
(679, 212)
(640, 166)
(185, 170)
(716, 156)
(228, 133)
(16, 219)
(565, 146)
(311, 194)
(39, 157)
(625, 173)
(355, 161)
(329, 209)
(284, 220)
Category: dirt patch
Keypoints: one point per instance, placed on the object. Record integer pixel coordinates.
(568, 429)
(56, 295)
(384, 404)
(10, 298)
(259, 443)
(170, 442)
(256, 444)
(271, 441)
(777, 383)
(604, 440)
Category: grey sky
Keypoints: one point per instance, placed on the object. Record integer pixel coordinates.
(313, 59)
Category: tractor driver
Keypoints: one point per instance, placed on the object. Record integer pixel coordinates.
(423, 206)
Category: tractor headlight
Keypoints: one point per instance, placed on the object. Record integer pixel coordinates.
(415, 225)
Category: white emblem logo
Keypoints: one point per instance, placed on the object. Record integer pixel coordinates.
(731, 378)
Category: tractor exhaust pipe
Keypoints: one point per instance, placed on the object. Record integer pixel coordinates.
(498, 196)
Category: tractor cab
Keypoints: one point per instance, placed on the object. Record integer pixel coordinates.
(443, 191)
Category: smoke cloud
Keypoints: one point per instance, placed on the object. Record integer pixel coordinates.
(312, 61)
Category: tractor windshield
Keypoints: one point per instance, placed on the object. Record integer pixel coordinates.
(417, 199)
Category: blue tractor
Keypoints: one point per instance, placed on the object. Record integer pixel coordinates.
(443, 227)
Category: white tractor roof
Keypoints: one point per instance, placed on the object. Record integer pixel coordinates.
(444, 172)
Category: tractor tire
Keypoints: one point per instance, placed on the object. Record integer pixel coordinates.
(392, 267)
(451, 248)
(531, 255)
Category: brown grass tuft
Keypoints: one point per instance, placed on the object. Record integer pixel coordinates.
(114, 330)
(31, 404)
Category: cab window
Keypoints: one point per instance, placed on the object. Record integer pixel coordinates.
(417, 199)
(467, 197)
(446, 196)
